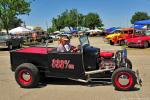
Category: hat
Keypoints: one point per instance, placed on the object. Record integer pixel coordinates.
(64, 38)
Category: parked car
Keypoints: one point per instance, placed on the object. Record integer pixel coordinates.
(120, 37)
(44, 37)
(69, 35)
(87, 64)
(10, 41)
(141, 41)
(55, 36)
(94, 32)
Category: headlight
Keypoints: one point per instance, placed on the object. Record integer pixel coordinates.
(139, 41)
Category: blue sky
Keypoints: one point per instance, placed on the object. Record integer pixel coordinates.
(112, 12)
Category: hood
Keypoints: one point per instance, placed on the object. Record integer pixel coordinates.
(112, 35)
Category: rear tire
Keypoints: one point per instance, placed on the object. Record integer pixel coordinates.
(123, 79)
(29, 81)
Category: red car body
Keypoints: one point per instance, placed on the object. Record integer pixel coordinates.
(141, 41)
(120, 38)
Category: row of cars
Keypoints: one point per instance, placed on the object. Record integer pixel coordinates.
(129, 37)
(56, 36)
(11, 41)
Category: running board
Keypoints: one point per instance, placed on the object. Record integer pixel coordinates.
(100, 80)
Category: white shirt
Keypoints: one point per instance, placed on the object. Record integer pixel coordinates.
(67, 47)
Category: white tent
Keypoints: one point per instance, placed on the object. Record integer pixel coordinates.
(96, 30)
(56, 32)
(20, 30)
(3, 31)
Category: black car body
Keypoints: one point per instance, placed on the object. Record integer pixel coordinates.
(10, 41)
(44, 37)
(37, 61)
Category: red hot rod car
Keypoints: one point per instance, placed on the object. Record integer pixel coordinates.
(88, 64)
(141, 41)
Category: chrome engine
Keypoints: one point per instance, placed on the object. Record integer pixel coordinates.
(108, 63)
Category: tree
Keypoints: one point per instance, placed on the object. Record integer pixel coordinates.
(38, 29)
(57, 23)
(93, 20)
(0, 27)
(15, 22)
(67, 19)
(73, 19)
(10, 9)
(51, 30)
(139, 16)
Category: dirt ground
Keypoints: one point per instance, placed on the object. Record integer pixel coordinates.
(63, 89)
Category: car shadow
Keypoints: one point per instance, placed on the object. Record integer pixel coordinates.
(133, 90)
(4, 49)
(62, 81)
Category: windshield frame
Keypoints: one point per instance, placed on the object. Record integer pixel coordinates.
(84, 40)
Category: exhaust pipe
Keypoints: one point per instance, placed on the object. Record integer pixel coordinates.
(97, 71)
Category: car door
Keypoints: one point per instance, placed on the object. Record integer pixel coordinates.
(66, 65)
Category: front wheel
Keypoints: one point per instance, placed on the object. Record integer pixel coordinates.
(111, 43)
(123, 79)
(27, 75)
(146, 45)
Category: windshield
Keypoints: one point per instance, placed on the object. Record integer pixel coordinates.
(84, 40)
(3, 36)
(147, 32)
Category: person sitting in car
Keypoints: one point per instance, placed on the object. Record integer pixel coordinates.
(64, 45)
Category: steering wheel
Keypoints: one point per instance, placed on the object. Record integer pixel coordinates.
(76, 49)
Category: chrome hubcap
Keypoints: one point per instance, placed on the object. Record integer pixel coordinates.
(26, 76)
(123, 80)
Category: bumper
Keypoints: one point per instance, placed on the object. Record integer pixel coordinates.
(3, 44)
(133, 44)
